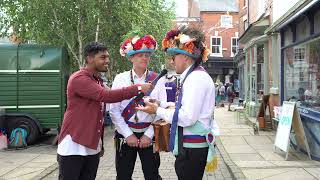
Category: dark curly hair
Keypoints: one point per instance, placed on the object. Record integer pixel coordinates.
(93, 48)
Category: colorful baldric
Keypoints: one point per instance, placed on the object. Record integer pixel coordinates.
(130, 110)
(174, 124)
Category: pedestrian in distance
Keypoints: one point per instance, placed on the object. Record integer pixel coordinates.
(222, 90)
(231, 95)
(80, 142)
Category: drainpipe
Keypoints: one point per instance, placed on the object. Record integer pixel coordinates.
(248, 12)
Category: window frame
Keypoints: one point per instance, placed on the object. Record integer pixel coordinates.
(237, 46)
(231, 24)
(216, 54)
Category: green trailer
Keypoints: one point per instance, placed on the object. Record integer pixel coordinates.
(33, 81)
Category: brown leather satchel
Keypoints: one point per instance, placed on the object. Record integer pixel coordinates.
(161, 135)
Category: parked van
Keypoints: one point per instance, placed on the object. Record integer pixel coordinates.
(33, 81)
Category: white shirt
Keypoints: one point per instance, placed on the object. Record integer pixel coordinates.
(222, 89)
(67, 147)
(124, 80)
(197, 101)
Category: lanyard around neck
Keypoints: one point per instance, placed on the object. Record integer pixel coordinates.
(131, 76)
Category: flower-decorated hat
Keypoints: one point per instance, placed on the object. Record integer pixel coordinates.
(178, 41)
(136, 44)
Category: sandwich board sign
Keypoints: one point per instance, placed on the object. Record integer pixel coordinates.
(290, 121)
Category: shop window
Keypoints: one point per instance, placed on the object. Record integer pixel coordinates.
(302, 74)
(216, 46)
(287, 36)
(317, 22)
(260, 72)
(303, 29)
(234, 46)
(299, 54)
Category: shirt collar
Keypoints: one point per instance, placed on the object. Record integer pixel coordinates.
(135, 76)
(91, 74)
(183, 75)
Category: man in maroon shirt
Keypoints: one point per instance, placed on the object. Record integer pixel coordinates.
(80, 140)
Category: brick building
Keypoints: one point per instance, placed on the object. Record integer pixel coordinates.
(219, 20)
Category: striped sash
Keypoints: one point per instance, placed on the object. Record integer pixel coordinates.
(130, 110)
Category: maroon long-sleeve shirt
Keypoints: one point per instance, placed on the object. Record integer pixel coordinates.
(84, 115)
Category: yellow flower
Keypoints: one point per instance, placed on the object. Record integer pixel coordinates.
(165, 44)
(189, 47)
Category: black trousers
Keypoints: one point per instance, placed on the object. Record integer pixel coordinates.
(190, 164)
(78, 167)
(126, 158)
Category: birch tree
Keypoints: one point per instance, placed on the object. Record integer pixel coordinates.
(73, 23)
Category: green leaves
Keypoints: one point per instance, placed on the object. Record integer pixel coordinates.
(74, 23)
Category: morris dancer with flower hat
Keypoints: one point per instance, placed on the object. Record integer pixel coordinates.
(192, 134)
(134, 132)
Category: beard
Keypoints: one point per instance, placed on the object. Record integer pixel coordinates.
(103, 68)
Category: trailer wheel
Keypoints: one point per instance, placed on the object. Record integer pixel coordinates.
(28, 124)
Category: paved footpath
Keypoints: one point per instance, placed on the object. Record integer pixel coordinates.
(242, 155)
(107, 166)
(253, 155)
(39, 162)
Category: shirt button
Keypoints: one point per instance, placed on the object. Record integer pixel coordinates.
(98, 131)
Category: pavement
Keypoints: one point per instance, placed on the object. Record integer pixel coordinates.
(242, 155)
(254, 154)
(39, 162)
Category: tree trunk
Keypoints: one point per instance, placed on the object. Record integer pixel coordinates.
(60, 32)
(97, 30)
(79, 31)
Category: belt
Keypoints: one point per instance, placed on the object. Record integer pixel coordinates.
(194, 139)
(139, 125)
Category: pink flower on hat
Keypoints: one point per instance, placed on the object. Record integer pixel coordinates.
(130, 45)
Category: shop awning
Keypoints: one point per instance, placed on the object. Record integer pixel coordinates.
(217, 62)
(299, 8)
(255, 29)
(256, 40)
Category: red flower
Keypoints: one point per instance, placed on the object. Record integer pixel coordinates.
(171, 34)
(138, 44)
(148, 42)
(125, 43)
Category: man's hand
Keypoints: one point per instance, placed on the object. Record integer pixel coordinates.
(152, 100)
(101, 152)
(150, 108)
(132, 141)
(145, 142)
(145, 88)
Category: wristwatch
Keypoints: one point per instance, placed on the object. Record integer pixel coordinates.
(139, 88)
